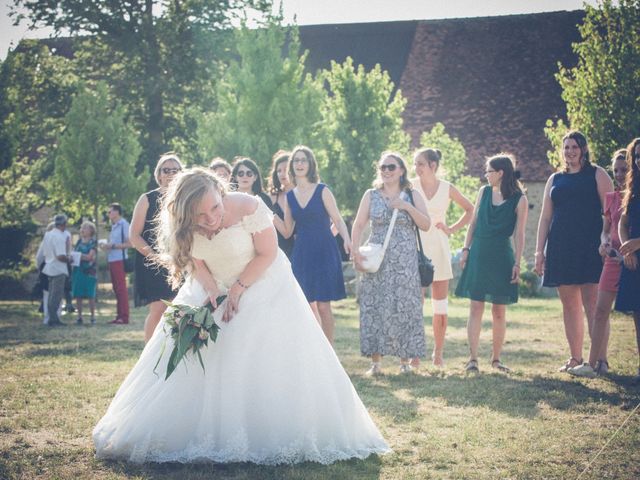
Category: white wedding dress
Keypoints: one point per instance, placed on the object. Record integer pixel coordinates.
(273, 390)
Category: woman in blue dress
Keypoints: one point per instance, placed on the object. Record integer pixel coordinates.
(568, 241)
(316, 261)
(628, 297)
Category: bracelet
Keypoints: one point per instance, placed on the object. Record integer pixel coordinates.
(242, 284)
(516, 266)
(466, 249)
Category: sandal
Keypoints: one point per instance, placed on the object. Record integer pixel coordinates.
(472, 366)
(498, 365)
(602, 367)
(374, 370)
(572, 362)
(405, 368)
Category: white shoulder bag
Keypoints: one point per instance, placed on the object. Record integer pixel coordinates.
(373, 253)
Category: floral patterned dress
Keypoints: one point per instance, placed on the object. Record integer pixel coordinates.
(390, 299)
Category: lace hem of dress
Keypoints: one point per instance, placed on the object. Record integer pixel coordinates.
(258, 220)
(237, 450)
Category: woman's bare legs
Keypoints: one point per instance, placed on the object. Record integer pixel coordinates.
(439, 291)
(156, 309)
(474, 325)
(572, 314)
(601, 327)
(499, 327)
(327, 322)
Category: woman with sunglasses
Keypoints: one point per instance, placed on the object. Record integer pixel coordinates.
(437, 195)
(391, 299)
(278, 188)
(315, 259)
(490, 270)
(246, 178)
(150, 285)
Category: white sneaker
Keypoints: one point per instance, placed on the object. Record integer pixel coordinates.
(584, 370)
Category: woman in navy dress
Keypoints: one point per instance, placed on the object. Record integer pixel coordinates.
(279, 186)
(628, 298)
(316, 261)
(569, 238)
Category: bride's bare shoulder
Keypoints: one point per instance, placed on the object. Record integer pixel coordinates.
(240, 204)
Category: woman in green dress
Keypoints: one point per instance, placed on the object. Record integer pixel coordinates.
(84, 277)
(490, 269)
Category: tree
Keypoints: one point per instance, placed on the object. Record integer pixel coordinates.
(603, 90)
(158, 42)
(96, 155)
(35, 93)
(452, 168)
(265, 101)
(362, 117)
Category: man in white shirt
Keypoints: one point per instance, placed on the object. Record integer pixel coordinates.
(56, 258)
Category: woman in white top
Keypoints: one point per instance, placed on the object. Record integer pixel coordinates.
(437, 194)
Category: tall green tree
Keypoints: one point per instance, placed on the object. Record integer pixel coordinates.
(162, 47)
(362, 117)
(452, 168)
(265, 101)
(96, 155)
(35, 93)
(602, 91)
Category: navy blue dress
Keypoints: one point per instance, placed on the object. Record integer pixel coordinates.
(315, 259)
(628, 297)
(285, 244)
(572, 256)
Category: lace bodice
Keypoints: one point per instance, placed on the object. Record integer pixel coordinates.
(227, 253)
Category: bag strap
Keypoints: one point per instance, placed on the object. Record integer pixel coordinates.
(416, 226)
(387, 237)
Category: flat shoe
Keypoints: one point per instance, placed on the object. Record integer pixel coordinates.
(572, 362)
(374, 371)
(472, 366)
(498, 365)
(118, 321)
(584, 370)
(405, 368)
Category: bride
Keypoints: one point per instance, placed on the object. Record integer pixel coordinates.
(273, 390)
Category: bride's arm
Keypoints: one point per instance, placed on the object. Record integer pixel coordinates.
(203, 276)
(265, 243)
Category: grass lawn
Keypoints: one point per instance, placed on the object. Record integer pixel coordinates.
(533, 423)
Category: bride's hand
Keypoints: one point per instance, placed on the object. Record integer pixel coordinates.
(233, 299)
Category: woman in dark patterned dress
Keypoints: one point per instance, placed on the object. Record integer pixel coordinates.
(150, 283)
(391, 299)
(569, 238)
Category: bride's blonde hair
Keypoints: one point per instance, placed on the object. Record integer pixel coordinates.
(176, 220)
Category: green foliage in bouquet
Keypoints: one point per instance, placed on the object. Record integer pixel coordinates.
(190, 328)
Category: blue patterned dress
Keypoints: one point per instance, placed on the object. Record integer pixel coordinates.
(391, 299)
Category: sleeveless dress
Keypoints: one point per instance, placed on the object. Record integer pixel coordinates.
(285, 244)
(610, 276)
(273, 390)
(150, 280)
(572, 256)
(487, 274)
(434, 241)
(315, 259)
(390, 300)
(84, 277)
(628, 297)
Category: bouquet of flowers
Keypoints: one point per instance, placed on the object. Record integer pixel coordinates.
(191, 328)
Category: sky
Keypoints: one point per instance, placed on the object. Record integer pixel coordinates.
(310, 12)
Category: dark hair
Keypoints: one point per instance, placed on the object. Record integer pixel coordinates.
(117, 207)
(405, 184)
(312, 173)
(432, 155)
(581, 140)
(219, 162)
(238, 162)
(632, 182)
(510, 184)
(281, 156)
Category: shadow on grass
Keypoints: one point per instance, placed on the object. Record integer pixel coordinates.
(512, 395)
(348, 469)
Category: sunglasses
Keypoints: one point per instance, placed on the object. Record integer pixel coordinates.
(170, 171)
(391, 167)
(242, 173)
